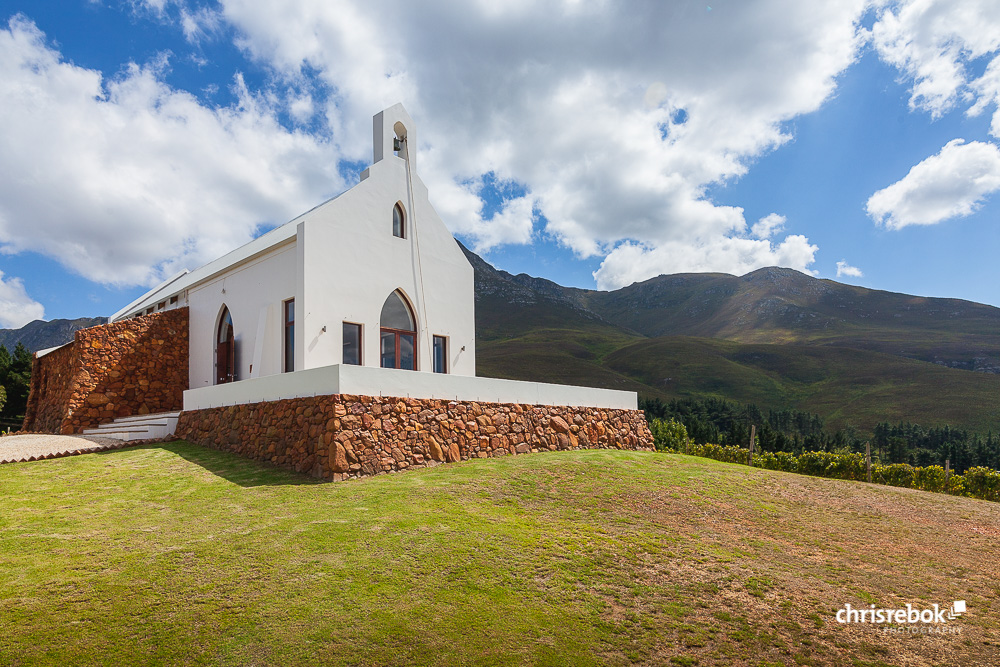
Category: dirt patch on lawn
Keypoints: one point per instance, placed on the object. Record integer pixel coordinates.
(761, 569)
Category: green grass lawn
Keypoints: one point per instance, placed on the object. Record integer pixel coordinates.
(176, 554)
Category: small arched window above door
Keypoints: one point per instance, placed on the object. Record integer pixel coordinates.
(398, 329)
(398, 221)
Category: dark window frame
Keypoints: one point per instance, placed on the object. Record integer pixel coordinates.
(444, 359)
(361, 346)
(397, 334)
(402, 221)
(288, 341)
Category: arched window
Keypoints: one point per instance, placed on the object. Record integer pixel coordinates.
(398, 334)
(225, 349)
(398, 221)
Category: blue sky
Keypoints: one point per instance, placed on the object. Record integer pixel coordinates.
(582, 142)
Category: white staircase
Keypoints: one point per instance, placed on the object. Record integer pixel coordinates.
(139, 427)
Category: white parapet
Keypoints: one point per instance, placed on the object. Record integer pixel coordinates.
(368, 381)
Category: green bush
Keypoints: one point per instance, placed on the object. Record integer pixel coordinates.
(930, 478)
(897, 474)
(956, 485)
(785, 461)
(669, 435)
(979, 482)
(982, 483)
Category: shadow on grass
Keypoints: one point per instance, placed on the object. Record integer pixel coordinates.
(232, 468)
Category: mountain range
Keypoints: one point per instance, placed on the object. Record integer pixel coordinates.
(39, 334)
(774, 337)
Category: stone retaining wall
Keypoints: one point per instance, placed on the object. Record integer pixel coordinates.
(131, 367)
(51, 388)
(338, 437)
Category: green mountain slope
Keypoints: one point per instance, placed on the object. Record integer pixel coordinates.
(775, 305)
(774, 337)
(845, 386)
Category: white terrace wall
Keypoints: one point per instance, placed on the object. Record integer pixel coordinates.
(363, 381)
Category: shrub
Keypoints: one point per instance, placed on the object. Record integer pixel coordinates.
(785, 461)
(979, 482)
(669, 435)
(897, 474)
(814, 463)
(956, 485)
(847, 466)
(930, 478)
(982, 483)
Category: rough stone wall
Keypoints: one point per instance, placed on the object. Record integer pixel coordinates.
(51, 388)
(338, 437)
(131, 367)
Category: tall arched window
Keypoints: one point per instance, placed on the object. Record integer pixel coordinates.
(398, 334)
(398, 221)
(225, 349)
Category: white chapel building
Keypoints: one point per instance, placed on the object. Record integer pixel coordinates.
(368, 293)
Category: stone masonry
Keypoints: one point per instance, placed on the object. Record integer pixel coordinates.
(131, 367)
(339, 437)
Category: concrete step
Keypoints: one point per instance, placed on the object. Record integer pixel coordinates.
(143, 418)
(138, 427)
(130, 434)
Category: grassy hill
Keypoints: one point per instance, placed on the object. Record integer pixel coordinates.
(846, 386)
(176, 554)
(775, 337)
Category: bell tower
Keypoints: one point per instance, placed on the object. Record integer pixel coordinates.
(394, 135)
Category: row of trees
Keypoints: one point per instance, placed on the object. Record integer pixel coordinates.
(721, 422)
(15, 381)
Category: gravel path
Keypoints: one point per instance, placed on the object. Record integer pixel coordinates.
(32, 447)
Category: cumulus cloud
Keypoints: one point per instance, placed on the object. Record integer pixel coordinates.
(127, 180)
(845, 269)
(614, 119)
(768, 226)
(953, 183)
(631, 262)
(16, 307)
(513, 223)
(937, 45)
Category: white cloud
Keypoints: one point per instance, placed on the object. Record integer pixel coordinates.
(768, 226)
(127, 180)
(950, 184)
(613, 119)
(629, 262)
(200, 23)
(513, 223)
(845, 269)
(16, 307)
(155, 7)
(572, 102)
(936, 44)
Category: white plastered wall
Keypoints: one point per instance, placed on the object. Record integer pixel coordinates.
(254, 291)
(352, 262)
